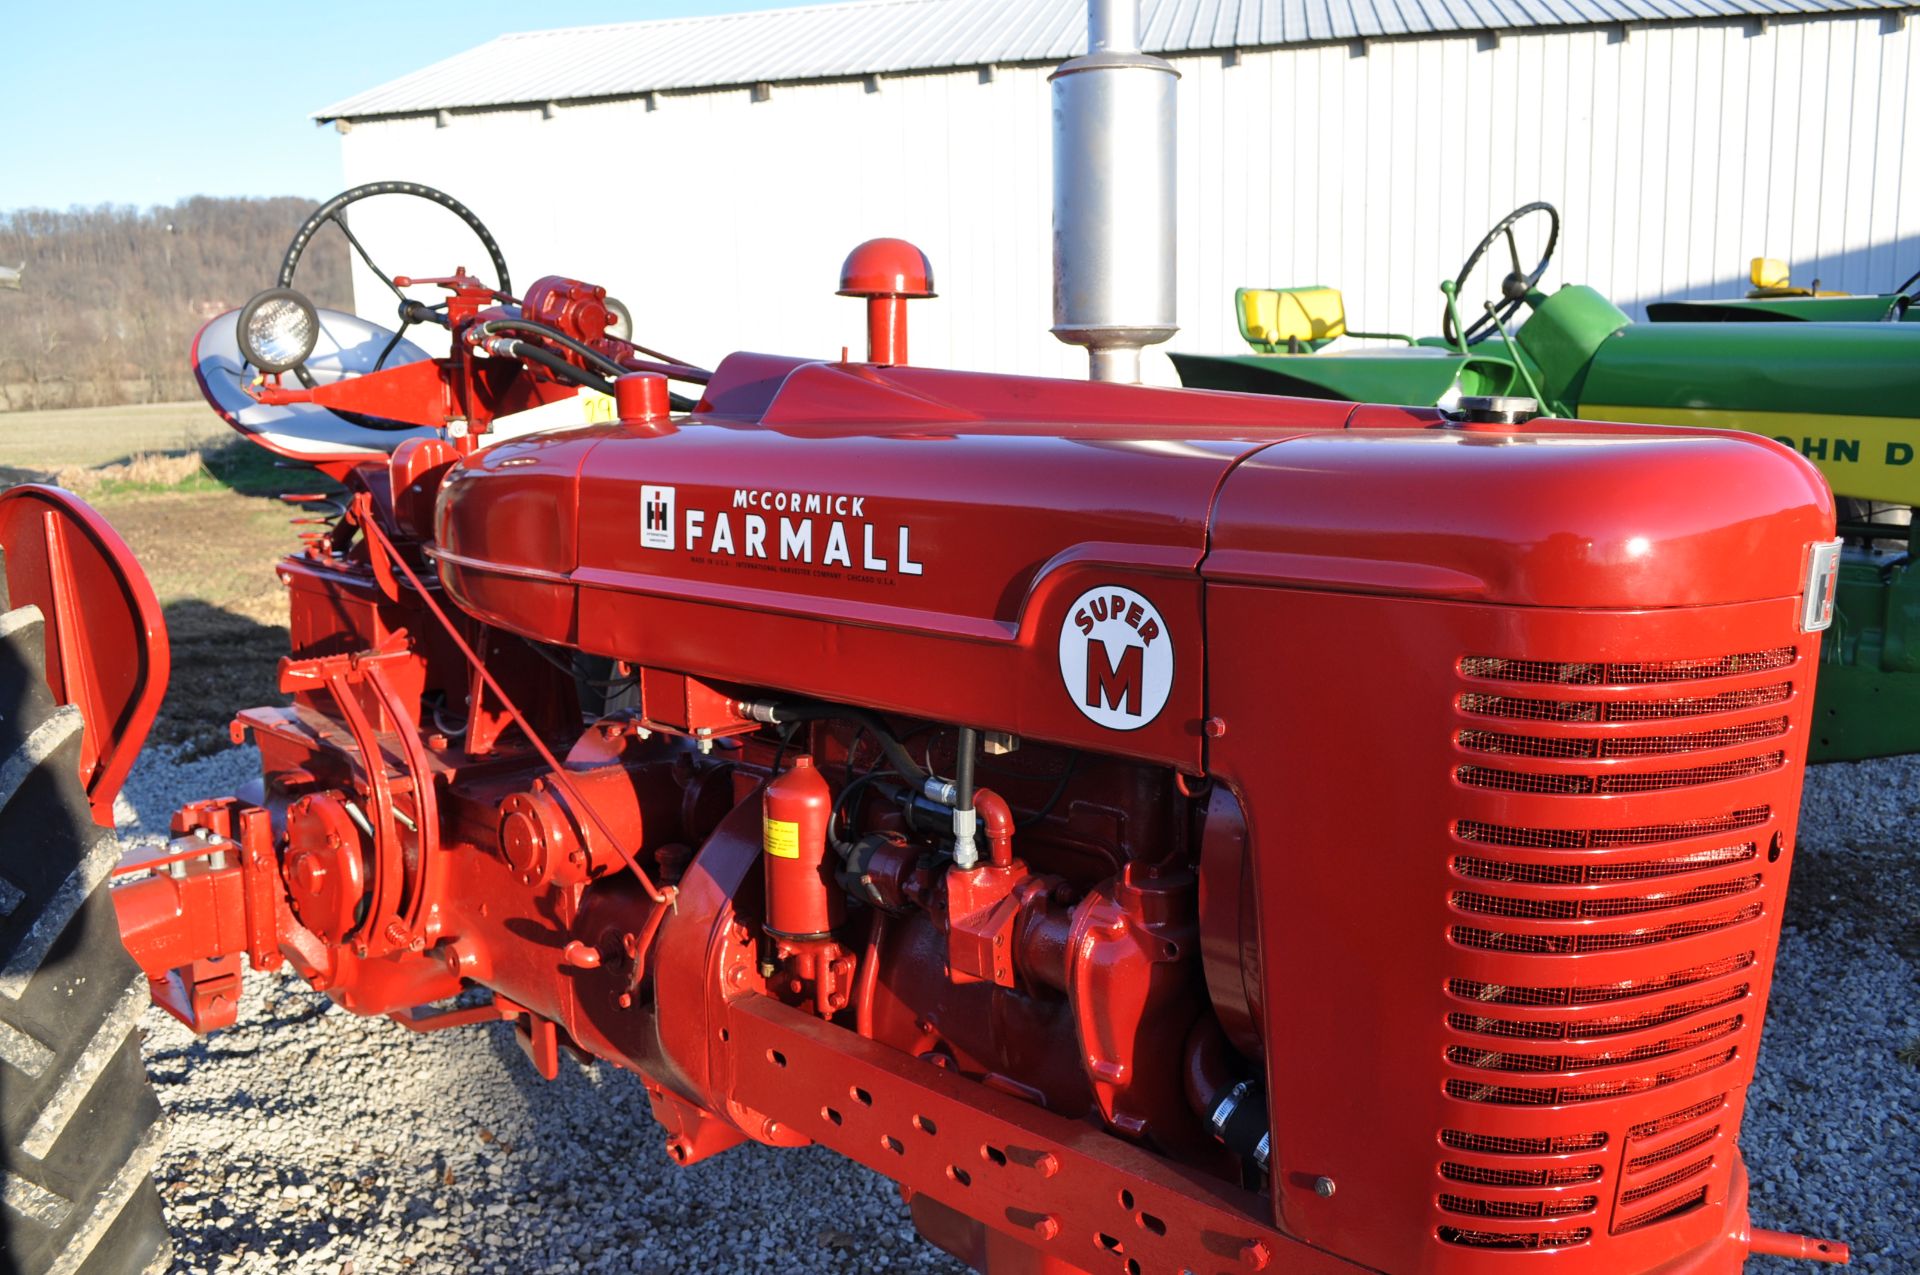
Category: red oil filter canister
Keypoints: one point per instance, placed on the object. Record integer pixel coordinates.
(801, 898)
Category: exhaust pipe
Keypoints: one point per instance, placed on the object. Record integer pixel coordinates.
(1113, 195)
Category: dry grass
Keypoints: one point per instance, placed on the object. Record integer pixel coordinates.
(145, 469)
(45, 443)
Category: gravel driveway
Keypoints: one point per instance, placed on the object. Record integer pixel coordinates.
(307, 1139)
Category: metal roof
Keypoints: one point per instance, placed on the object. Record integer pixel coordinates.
(869, 37)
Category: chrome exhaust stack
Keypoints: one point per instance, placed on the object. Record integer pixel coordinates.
(1113, 195)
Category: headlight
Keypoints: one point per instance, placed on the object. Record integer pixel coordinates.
(621, 324)
(277, 329)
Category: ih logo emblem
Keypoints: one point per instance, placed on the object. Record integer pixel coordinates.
(656, 517)
(1116, 658)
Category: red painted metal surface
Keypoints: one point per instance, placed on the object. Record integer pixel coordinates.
(105, 641)
(1383, 826)
(1079, 1197)
(1782, 1244)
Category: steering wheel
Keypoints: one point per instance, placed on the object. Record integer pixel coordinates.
(411, 311)
(1903, 298)
(1518, 282)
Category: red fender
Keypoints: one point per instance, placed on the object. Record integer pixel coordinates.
(106, 643)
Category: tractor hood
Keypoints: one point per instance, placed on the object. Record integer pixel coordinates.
(1808, 369)
(1589, 518)
(949, 545)
(1846, 395)
(880, 536)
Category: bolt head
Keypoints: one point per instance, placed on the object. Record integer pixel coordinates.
(308, 873)
(1323, 1187)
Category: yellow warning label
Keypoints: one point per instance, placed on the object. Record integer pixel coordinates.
(783, 838)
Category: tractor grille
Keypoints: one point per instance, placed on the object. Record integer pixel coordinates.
(1569, 784)
(1520, 708)
(1486, 1144)
(1612, 868)
(1494, 669)
(1599, 873)
(1491, 741)
(1514, 1239)
(1476, 1207)
(1596, 1028)
(1609, 838)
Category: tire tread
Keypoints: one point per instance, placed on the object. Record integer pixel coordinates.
(80, 1129)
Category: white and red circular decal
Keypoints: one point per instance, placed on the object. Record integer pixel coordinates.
(1116, 658)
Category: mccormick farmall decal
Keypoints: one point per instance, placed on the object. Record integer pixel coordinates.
(808, 529)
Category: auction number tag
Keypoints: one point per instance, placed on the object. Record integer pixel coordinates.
(597, 408)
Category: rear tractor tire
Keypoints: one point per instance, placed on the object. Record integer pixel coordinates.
(80, 1129)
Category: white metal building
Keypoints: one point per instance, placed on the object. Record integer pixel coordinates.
(714, 172)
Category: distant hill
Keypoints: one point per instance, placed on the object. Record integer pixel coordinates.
(108, 298)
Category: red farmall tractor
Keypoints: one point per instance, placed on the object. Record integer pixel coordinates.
(1163, 830)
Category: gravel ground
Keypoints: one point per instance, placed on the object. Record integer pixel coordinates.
(308, 1139)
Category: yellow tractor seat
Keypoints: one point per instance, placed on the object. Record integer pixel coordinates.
(1770, 278)
(1295, 320)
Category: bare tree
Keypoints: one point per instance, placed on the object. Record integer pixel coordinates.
(114, 294)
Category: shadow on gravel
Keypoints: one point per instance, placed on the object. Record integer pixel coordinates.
(175, 1066)
(223, 662)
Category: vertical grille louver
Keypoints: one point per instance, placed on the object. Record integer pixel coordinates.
(1609, 812)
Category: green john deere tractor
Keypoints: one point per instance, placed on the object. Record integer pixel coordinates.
(1846, 394)
(1774, 299)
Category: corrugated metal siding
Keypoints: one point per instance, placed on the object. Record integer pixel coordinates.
(893, 36)
(1675, 155)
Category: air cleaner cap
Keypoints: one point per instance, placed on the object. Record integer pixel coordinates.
(886, 268)
(1495, 409)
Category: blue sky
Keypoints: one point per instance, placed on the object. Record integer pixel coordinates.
(146, 103)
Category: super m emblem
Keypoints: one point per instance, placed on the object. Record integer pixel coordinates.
(656, 517)
(1116, 659)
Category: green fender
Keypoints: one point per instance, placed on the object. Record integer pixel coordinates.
(1419, 375)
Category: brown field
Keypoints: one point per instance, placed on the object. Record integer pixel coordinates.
(199, 507)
